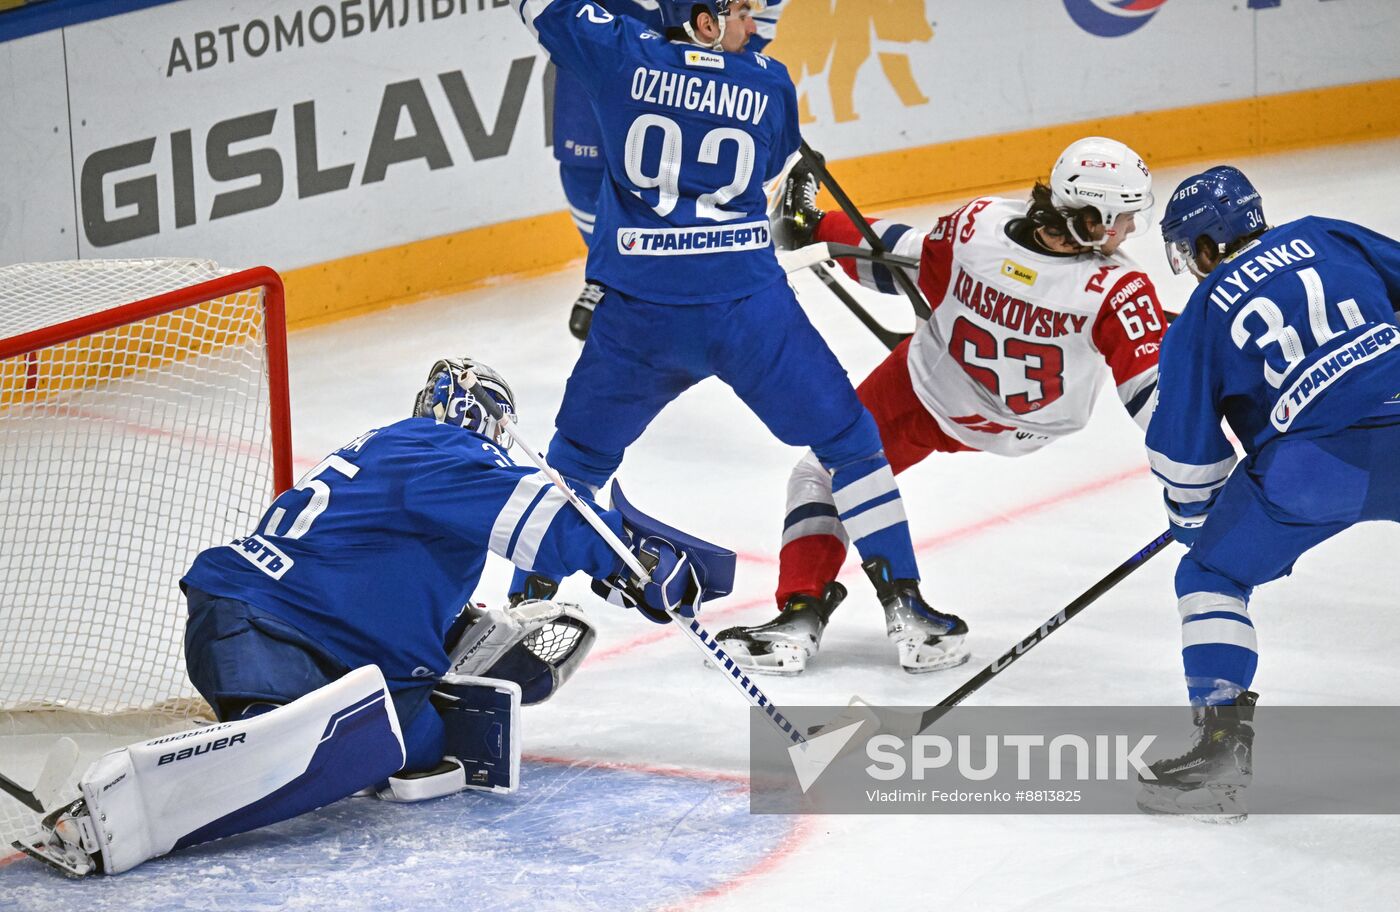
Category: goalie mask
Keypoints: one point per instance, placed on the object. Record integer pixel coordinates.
(446, 399)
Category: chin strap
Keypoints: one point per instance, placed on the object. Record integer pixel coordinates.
(712, 45)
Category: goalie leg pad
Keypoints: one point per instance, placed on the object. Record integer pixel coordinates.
(185, 789)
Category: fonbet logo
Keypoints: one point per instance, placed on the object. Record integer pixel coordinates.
(836, 39)
(1112, 18)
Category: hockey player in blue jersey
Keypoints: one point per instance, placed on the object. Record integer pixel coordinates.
(334, 648)
(578, 140)
(1291, 337)
(693, 126)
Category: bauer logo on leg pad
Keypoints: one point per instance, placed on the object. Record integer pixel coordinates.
(713, 564)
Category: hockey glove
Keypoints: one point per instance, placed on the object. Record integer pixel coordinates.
(674, 585)
(1187, 519)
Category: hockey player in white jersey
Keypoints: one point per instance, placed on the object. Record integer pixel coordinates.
(333, 647)
(1029, 305)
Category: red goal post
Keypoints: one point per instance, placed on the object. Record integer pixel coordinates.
(144, 416)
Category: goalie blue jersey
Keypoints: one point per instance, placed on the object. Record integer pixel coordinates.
(1294, 334)
(378, 548)
(689, 137)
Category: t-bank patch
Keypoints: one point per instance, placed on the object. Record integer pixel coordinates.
(704, 59)
(1022, 274)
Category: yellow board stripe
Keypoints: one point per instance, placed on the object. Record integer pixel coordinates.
(1217, 132)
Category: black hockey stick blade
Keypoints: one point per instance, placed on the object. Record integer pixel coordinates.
(888, 337)
(21, 794)
(901, 278)
(1058, 620)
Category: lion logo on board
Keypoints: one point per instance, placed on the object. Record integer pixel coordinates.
(834, 37)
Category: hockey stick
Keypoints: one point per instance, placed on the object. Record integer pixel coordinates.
(906, 726)
(816, 256)
(1091, 595)
(901, 278)
(58, 766)
(698, 635)
(889, 337)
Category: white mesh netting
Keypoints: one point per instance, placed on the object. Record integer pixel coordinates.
(123, 453)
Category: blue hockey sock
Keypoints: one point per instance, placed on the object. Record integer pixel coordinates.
(872, 512)
(1218, 647)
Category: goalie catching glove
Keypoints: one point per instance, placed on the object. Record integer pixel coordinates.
(537, 644)
(683, 571)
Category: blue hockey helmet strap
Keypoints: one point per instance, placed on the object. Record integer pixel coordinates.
(677, 14)
(1220, 204)
(447, 399)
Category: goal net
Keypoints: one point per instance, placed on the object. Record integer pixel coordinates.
(143, 418)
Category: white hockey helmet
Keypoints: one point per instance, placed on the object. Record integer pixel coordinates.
(1109, 177)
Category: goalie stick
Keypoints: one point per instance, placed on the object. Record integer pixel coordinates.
(701, 638)
(928, 717)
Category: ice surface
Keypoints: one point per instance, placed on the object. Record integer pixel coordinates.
(1002, 542)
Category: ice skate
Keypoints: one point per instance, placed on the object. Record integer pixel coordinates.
(784, 645)
(68, 842)
(926, 640)
(581, 316)
(795, 215)
(1209, 781)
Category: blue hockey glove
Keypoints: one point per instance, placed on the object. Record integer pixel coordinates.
(1187, 519)
(673, 586)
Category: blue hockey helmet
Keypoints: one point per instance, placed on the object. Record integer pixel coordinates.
(446, 398)
(1219, 203)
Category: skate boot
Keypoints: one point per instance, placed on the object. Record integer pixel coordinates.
(795, 215)
(927, 640)
(581, 317)
(537, 588)
(1208, 782)
(69, 841)
(784, 645)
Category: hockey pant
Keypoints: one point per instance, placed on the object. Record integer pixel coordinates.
(245, 662)
(823, 513)
(581, 185)
(1291, 495)
(641, 355)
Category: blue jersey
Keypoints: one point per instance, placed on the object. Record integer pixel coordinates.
(689, 137)
(1294, 334)
(577, 138)
(376, 550)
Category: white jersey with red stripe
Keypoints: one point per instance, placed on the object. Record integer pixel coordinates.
(1013, 356)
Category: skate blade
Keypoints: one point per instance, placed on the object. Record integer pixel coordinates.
(1223, 805)
(779, 662)
(921, 659)
(54, 860)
